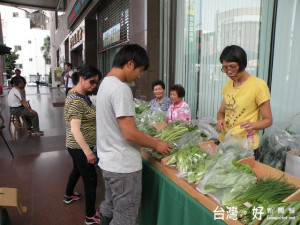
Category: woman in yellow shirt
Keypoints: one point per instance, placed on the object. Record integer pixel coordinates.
(245, 107)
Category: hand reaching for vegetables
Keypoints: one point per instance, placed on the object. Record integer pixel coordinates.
(163, 147)
(220, 126)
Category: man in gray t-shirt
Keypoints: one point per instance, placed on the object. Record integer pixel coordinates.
(118, 139)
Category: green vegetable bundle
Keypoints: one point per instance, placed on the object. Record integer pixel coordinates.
(174, 131)
(224, 181)
(154, 154)
(244, 167)
(270, 215)
(146, 119)
(147, 128)
(141, 106)
(287, 217)
(271, 190)
(197, 172)
(186, 158)
(193, 137)
(274, 146)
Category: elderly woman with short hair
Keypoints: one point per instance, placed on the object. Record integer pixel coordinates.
(160, 100)
(179, 110)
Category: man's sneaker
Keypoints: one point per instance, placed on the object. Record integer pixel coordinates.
(68, 199)
(37, 132)
(93, 220)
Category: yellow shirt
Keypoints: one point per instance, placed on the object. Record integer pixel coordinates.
(242, 104)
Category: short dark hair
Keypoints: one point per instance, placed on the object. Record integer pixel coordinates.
(131, 52)
(179, 89)
(69, 64)
(158, 82)
(86, 72)
(234, 53)
(17, 81)
(17, 70)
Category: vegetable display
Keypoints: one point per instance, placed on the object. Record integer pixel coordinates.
(141, 106)
(193, 137)
(197, 172)
(146, 117)
(186, 158)
(271, 190)
(224, 181)
(174, 131)
(270, 215)
(154, 154)
(274, 147)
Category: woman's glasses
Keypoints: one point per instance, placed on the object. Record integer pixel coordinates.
(224, 69)
(93, 82)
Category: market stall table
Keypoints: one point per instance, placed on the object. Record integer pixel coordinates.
(164, 203)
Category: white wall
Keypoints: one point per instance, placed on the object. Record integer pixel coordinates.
(16, 31)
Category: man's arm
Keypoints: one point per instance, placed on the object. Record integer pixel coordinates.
(25, 104)
(135, 136)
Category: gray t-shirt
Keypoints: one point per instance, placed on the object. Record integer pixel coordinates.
(114, 100)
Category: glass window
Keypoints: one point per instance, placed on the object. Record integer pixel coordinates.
(18, 48)
(209, 26)
(19, 66)
(285, 90)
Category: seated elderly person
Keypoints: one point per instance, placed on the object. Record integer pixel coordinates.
(19, 106)
(179, 110)
(18, 74)
(160, 100)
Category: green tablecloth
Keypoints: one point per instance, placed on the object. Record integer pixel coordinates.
(164, 203)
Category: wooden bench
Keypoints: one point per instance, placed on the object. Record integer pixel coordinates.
(19, 122)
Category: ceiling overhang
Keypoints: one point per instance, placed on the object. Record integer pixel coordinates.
(4, 50)
(36, 4)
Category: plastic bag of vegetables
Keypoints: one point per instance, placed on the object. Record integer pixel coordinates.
(146, 119)
(209, 124)
(274, 146)
(187, 157)
(140, 106)
(227, 180)
(193, 137)
(197, 172)
(241, 148)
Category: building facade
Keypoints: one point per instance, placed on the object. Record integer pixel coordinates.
(184, 40)
(24, 31)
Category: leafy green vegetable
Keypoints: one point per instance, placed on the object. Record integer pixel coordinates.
(274, 147)
(243, 167)
(271, 190)
(193, 137)
(141, 107)
(154, 154)
(197, 172)
(224, 181)
(173, 131)
(189, 156)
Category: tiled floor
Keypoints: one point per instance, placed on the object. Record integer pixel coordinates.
(41, 166)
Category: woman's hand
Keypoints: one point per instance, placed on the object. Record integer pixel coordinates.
(91, 158)
(220, 126)
(247, 126)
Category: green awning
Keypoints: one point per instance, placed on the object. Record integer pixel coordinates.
(4, 50)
